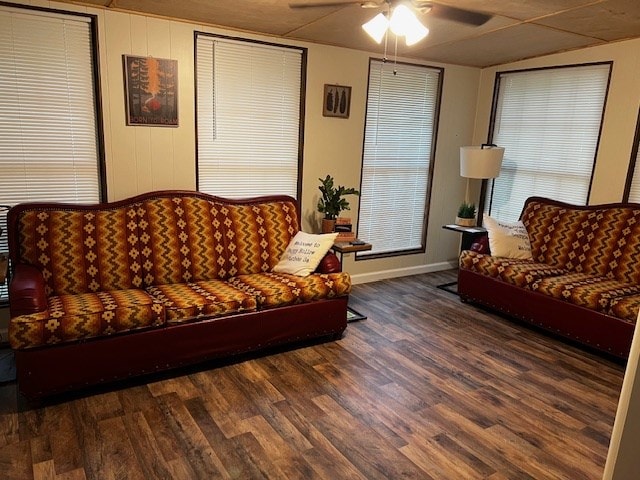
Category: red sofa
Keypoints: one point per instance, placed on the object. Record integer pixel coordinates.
(583, 282)
(158, 281)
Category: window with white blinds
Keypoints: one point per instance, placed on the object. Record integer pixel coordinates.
(548, 122)
(633, 194)
(402, 114)
(249, 117)
(48, 139)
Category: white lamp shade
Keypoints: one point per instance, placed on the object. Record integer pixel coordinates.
(478, 162)
(416, 33)
(377, 27)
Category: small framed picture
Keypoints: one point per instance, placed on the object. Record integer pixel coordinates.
(151, 91)
(336, 101)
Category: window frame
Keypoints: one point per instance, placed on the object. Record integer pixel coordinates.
(360, 256)
(633, 162)
(486, 184)
(302, 110)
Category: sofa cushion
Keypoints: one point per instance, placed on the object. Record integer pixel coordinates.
(257, 235)
(602, 242)
(278, 289)
(304, 252)
(587, 291)
(625, 308)
(519, 272)
(182, 240)
(82, 251)
(86, 315)
(526, 273)
(187, 301)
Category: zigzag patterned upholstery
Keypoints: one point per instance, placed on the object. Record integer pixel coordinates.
(86, 315)
(625, 308)
(188, 301)
(182, 240)
(82, 251)
(258, 235)
(522, 273)
(279, 289)
(181, 248)
(588, 291)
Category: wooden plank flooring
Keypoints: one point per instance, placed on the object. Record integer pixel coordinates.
(425, 388)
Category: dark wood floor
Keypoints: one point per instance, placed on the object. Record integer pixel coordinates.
(425, 388)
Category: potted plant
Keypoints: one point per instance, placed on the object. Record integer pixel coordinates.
(332, 202)
(466, 215)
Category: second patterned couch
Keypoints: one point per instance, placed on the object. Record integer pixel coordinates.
(582, 280)
(165, 279)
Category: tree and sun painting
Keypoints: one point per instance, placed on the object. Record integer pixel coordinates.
(151, 91)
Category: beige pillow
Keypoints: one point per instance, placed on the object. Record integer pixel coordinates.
(507, 239)
(304, 252)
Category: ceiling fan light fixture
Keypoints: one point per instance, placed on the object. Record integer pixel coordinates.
(377, 27)
(403, 23)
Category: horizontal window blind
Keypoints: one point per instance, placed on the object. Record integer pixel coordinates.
(248, 104)
(398, 147)
(548, 122)
(48, 141)
(634, 191)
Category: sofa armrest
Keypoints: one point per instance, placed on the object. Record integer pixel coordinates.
(329, 264)
(26, 291)
(481, 245)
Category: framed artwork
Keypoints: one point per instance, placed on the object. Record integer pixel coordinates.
(151, 91)
(336, 101)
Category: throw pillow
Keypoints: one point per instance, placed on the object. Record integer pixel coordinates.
(507, 239)
(304, 253)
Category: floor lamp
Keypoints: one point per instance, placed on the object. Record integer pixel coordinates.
(483, 162)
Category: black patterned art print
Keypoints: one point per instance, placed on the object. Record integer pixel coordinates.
(337, 100)
(151, 91)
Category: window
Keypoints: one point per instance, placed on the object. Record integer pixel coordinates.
(548, 121)
(632, 190)
(48, 113)
(402, 116)
(249, 100)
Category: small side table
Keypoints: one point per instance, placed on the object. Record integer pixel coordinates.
(469, 234)
(341, 249)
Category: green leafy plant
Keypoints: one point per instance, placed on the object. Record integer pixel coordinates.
(467, 210)
(332, 202)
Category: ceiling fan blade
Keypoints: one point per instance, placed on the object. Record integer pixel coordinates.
(362, 3)
(459, 15)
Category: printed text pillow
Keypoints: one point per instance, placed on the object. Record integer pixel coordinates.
(507, 239)
(304, 253)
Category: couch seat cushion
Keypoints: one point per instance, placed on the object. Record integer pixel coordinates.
(588, 291)
(278, 289)
(86, 315)
(187, 301)
(625, 308)
(525, 274)
(519, 272)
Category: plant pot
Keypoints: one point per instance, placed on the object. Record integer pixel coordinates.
(466, 222)
(328, 226)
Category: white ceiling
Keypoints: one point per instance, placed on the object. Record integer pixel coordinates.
(519, 29)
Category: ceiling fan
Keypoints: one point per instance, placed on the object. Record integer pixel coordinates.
(446, 12)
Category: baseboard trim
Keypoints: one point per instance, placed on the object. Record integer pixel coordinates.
(401, 272)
